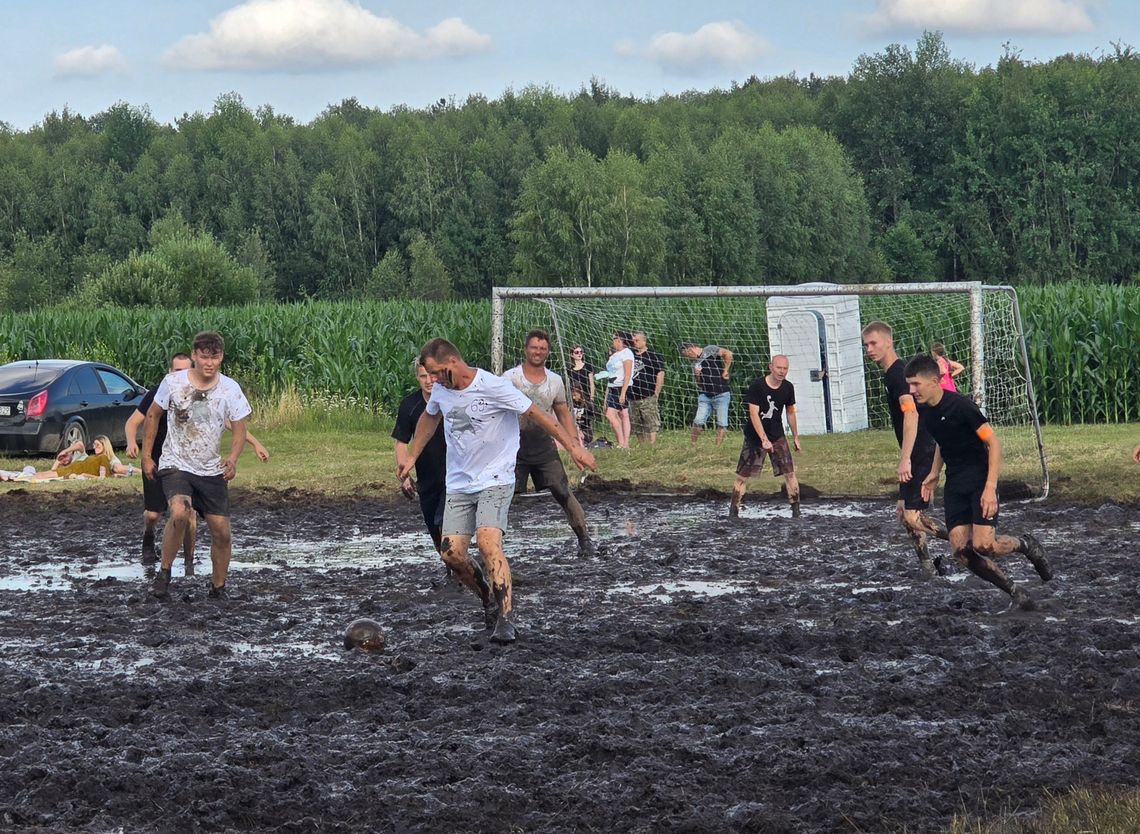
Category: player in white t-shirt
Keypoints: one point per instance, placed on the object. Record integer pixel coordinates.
(538, 458)
(480, 414)
(199, 401)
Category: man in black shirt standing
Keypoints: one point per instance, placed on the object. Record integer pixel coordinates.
(431, 465)
(764, 434)
(972, 453)
(648, 377)
(916, 448)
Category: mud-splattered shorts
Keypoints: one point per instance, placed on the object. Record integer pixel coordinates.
(464, 513)
(752, 458)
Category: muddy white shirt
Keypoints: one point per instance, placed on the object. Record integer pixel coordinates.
(481, 426)
(535, 445)
(195, 420)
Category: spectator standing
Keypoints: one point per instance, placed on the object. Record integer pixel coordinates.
(711, 366)
(620, 369)
(648, 378)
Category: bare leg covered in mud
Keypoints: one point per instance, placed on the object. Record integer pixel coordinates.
(454, 550)
(978, 556)
(574, 514)
(920, 526)
(180, 517)
(490, 543)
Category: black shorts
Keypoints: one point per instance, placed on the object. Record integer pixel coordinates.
(549, 475)
(964, 504)
(613, 400)
(431, 505)
(154, 499)
(209, 494)
(910, 493)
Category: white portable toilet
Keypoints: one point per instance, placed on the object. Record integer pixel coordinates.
(820, 334)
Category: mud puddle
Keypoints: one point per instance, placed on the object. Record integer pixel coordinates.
(770, 675)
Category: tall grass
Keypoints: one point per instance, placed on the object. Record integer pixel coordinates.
(1081, 342)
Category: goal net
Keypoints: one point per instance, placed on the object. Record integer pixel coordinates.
(819, 327)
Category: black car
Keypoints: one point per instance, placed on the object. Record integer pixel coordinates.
(47, 404)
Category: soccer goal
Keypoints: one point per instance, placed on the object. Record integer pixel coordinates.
(819, 327)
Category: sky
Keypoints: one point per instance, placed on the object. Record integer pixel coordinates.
(300, 56)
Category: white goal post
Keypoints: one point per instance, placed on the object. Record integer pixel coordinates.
(818, 325)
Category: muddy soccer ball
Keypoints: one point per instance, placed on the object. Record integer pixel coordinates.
(364, 634)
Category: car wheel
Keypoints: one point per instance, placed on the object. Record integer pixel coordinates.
(72, 432)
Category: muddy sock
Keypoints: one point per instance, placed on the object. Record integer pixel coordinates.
(985, 568)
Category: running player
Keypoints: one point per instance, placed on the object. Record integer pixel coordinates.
(972, 452)
(916, 448)
(480, 421)
(538, 458)
(201, 401)
(764, 434)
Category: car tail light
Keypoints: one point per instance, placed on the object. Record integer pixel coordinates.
(37, 405)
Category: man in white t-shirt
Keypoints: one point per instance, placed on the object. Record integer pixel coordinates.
(480, 414)
(538, 458)
(199, 402)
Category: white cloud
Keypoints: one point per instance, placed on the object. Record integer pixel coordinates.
(725, 44)
(89, 60)
(316, 34)
(1031, 16)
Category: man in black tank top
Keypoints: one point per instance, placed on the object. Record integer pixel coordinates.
(972, 453)
(916, 448)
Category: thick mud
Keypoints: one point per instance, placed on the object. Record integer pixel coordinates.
(770, 675)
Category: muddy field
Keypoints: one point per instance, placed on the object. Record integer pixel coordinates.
(772, 675)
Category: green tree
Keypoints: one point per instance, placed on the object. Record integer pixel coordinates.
(428, 278)
(905, 256)
(389, 278)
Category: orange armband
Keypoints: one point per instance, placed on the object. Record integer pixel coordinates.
(985, 433)
(907, 406)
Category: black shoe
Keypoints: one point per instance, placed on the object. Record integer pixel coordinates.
(941, 566)
(504, 631)
(796, 510)
(1035, 553)
(160, 589)
(1022, 600)
(218, 591)
(586, 549)
(734, 511)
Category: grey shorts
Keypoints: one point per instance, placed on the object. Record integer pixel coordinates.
(464, 513)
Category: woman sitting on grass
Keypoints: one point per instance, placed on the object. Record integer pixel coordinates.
(73, 462)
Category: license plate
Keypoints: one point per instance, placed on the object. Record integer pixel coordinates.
(5, 411)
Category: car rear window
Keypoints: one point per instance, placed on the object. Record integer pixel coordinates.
(20, 378)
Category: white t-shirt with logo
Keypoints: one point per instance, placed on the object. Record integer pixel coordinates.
(481, 427)
(195, 420)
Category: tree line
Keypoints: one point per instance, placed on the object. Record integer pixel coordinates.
(914, 166)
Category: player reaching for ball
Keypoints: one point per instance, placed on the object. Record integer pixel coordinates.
(480, 413)
(972, 453)
(916, 446)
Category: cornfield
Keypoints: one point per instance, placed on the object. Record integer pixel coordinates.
(1080, 340)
